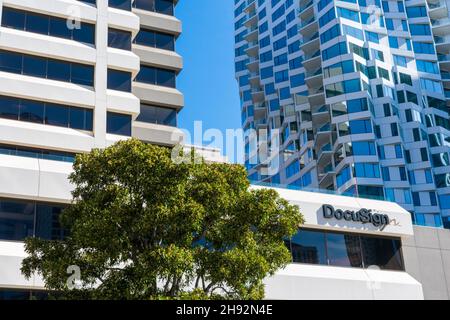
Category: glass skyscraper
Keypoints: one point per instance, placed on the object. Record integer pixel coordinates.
(358, 90)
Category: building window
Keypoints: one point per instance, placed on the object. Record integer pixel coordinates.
(36, 153)
(309, 247)
(120, 4)
(46, 68)
(46, 113)
(160, 6)
(22, 219)
(47, 25)
(119, 124)
(346, 250)
(158, 115)
(119, 39)
(155, 39)
(119, 80)
(157, 76)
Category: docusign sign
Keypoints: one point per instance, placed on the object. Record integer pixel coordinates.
(363, 215)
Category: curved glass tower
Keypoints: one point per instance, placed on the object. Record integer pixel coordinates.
(358, 91)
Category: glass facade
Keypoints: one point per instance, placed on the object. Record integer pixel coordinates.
(20, 219)
(346, 250)
(366, 86)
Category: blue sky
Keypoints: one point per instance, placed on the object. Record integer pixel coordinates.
(207, 81)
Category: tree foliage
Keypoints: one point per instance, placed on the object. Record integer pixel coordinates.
(143, 227)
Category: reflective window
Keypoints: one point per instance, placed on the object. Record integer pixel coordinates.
(309, 247)
(160, 6)
(46, 113)
(119, 124)
(47, 68)
(119, 39)
(16, 220)
(383, 253)
(158, 115)
(22, 219)
(47, 25)
(155, 39)
(18, 294)
(345, 250)
(119, 80)
(36, 153)
(157, 76)
(120, 4)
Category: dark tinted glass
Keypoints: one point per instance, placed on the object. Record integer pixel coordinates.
(164, 6)
(145, 38)
(58, 28)
(13, 18)
(47, 222)
(80, 119)
(157, 76)
(148, 5)
(56, 115)
(58, 70)
(158, 115)
(34, 66)
(82, 74)
(11, 62)
(118, 124)
(89, 1)
(344, 250)
(119, 80)
(165, 41)
(16, 220)
(9, 108)
(309, 247)
(383, 253)
(119, 39)
(165, 78)
(146, 75)
(10, 294)
(48, 25)
(32, 111)
(86, 33)
(120, 4)
(89, 119)
(36, 153)
(37, 23)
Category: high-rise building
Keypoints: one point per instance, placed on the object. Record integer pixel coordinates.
(75, 75)
(358, 90)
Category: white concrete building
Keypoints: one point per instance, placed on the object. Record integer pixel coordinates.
(76, 75)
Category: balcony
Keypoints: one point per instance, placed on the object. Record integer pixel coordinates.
(251, 6)
(252, 19)
(253, 65)
(325, 153)
(252, 34)
(441, 27)
(437, 9)
(254, 79)
(306, 9)
(257, 94)
(253, 49)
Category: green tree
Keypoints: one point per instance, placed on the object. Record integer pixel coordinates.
(144, 227)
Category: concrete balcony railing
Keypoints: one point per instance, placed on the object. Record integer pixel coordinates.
(437, 4)
(441, 40)
(440, 22)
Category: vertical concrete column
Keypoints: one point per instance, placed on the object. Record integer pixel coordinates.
(1, 10)
(101, 70)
